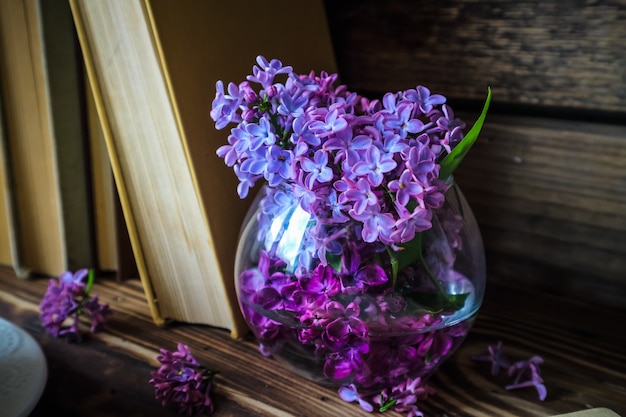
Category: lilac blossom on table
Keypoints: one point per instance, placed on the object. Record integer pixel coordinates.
(182, 381)
(525, 373)
(66, 299)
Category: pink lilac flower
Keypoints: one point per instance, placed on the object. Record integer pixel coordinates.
(182, 381)
(66, 299)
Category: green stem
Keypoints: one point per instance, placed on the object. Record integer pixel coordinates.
(411, 253)
(387, 405)
(432, 277)
(394, 266)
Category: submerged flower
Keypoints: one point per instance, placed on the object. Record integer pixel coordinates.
(181, 380)
(66, 299)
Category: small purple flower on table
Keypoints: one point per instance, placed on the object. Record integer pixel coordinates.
(525, 373)
(529, 369)
(181, 380)
(66, 299)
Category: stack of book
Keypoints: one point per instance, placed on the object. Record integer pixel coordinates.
(48, 157)
(143, 142)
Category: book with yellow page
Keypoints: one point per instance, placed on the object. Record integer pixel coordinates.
(113, 250)
(153, 65)
(8, 243)
(42, 89)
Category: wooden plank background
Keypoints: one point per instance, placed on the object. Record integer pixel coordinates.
(558, 53)
(547, 177)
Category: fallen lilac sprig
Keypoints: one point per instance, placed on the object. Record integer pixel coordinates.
(183, 381)
(66, 299)
(525, 373)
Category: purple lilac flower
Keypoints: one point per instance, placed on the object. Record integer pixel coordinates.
(182, 381)
(225, 106)
(65, 300)
(406, 188)
(373, 166)
(376, 225)
(350, 394)
(266, 70)
(525, 373)
(97, 313)
(333, 122)
(422, 97)
(346, 359)
(347, 147)
(345, 323)
(496, 357)
(403, 397)
(529, 369)
(361, 194)
(403, 123)
(317, 169)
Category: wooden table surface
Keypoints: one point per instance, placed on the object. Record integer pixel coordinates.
(584, 348)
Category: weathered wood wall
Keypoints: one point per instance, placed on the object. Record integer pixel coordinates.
(547, 177)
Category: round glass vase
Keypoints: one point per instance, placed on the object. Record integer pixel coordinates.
(338, 310)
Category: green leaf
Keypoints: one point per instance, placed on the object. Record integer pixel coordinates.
(90, 279)
(454, 158)
(410, 253)
(334, 261)
(394, 265)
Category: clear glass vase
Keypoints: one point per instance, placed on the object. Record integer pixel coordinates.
(338, 310)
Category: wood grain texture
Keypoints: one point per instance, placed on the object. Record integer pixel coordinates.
(550, 198)
(568, 54)
(107, 375)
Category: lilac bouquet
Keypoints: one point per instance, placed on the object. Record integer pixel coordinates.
(360, 262)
